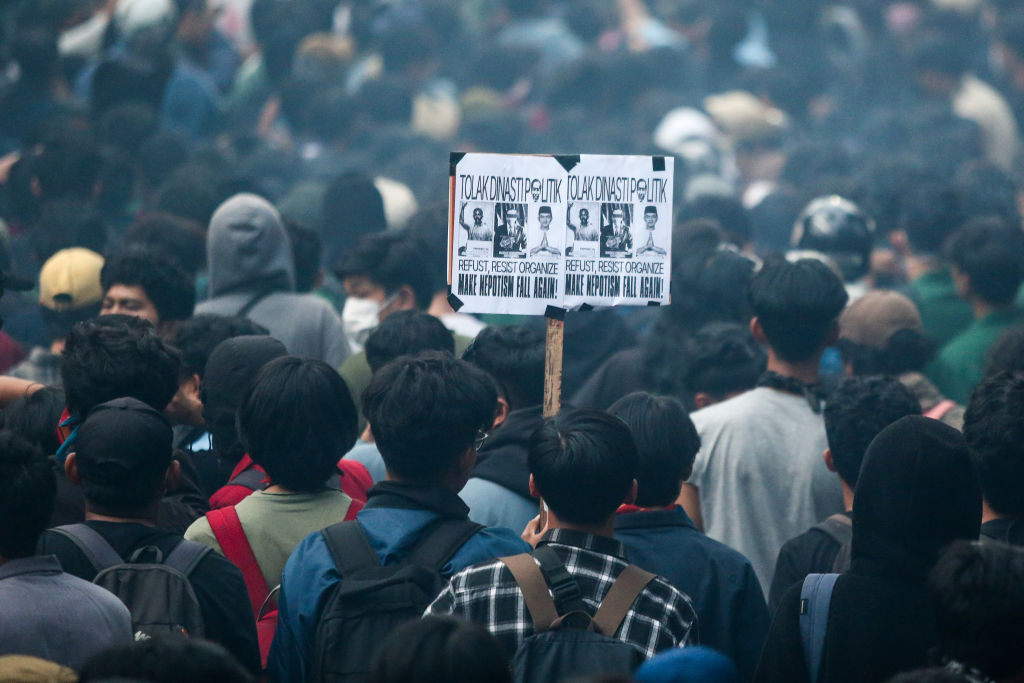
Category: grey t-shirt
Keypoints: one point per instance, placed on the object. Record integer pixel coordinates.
(761, 474)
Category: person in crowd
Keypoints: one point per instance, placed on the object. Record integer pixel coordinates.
(123, 462)
(723, 361)
(660, 538)
(441, 649)
(498, 493)
(882, 334)
(252, 275)
(856, 412)
(775, 434)
(33, 415)
(294, 420)
(164, 660)
(917, 492)
(992, 430)
(400, 334)
(683, 665)
(428, 412)
(47, 613)
(1007, 354)
(988, 272)
(147, 284)
(583, 465)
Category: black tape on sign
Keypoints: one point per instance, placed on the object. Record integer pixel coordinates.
(454, 301)
(453, 160)
(554, 312)
(658, 163)
(586, 307)
(568, 161)
(653, 303)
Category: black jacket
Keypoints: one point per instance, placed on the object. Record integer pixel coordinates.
(502, 458)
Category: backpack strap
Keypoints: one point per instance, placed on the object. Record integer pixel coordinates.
(620, 598)
(186, 556)
(228, 531)
(839, 527)
(440, 543)
(244, 311)
(251, 479)
(815, 600)
(96, 549)
(349, 547)
(564, 589)
(534, 588)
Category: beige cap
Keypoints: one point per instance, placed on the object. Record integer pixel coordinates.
(26, 669)
(876, 316)
(743, 117)
(70, 279)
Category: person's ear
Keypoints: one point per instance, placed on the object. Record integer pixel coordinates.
(405, 299)
(173, 476)
(534, 491)
(833, 333)
(757, 331)
(631, 494)
(501, 412)
(71, 469)
(702, 400)
(962, 281)
(190, 387)
(830, 462)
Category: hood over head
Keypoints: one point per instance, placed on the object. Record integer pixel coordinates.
(918, 491)
(248, 249)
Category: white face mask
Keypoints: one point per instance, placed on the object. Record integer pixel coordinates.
(359, 317)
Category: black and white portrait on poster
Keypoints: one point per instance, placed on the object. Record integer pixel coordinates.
(542, 235)
(582, 229)
(510, 233)
(616, 231)
(648, 247)
(478, 232)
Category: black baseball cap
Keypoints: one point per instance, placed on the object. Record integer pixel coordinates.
(121, 438)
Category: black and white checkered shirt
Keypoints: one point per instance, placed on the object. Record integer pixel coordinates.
(660, 618)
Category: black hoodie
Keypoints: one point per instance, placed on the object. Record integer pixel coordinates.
(917, 492)
(502, 458)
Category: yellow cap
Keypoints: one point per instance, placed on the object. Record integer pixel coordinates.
(70, 279)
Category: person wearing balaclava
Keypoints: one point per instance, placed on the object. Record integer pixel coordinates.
(252, 274)
(918, 491)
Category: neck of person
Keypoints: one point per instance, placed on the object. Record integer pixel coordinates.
(983, 309)
(988, 514)
(145, 517)
(606, 528)
(921, 264)
(847, 496)
(805, 371)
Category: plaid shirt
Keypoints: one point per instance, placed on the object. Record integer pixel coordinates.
(660, 618)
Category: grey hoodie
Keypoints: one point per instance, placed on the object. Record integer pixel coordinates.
(249, 255)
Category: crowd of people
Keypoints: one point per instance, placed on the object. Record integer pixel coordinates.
(245, 436)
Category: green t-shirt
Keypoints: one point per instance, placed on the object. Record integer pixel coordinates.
(944, 314)
(961, 362)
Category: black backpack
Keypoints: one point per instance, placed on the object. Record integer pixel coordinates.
(372, 600)
(155, 589)
(568, 641)
(840, 528)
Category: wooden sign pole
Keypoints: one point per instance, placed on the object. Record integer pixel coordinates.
(553, 367)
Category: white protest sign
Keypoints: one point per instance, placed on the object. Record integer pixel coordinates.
(530, 232)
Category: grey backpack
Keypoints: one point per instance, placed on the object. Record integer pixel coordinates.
(156, 589)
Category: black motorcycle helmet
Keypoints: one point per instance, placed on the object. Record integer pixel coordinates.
(839, 229)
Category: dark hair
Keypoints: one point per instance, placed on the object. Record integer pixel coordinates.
(514, 357)
(297, 419)
(425, 411)
(906, 351)
(352, 207)
(165, 660)
(723, 359)
(797, 304)
(583, 463)
(858, 409)
(34, 417)
(994, 433)
(990, 252)
(930, 212)
(167, 285)
(114, 356)
(65, 223)
(666, 444)
(979, 596)
(197, 337)
(306, 249)
(179, 238)
(1007, 354)
(30, 490)
(190, 192)
(406, 333)
(727, 212)
(440, 649)
(59, 323)
(391, 260)
(932, 675)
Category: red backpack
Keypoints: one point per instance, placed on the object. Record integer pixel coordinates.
(227, 529)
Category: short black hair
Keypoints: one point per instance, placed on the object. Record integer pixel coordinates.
(34, 417)
(425, 411)
(728, 212)
(666, 444)
(297, 419)
(514, 357)
(978, 591)
(723, 359)
(30, 491)
(440, 648)
(929, 213)
(65, 223)
(352, 207)
(306, 251)
(1007, 354)
(165, 660)
(990, 252)
(391, 260)
(406, 333)
(858, 409)
(197, 337)
(905, 351)
(994, 433)
(165, 282)
(114, 356)
(797, 304)
(179, 238)
(583, 463)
